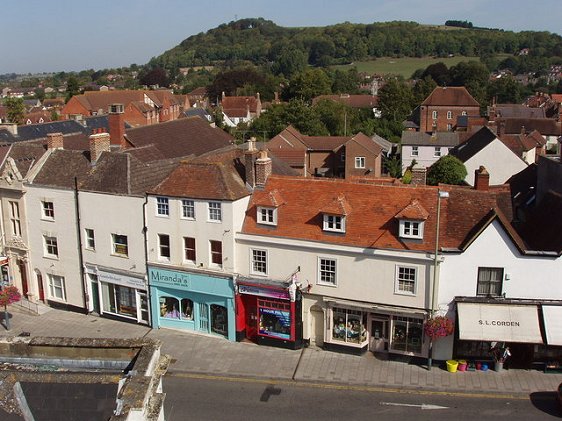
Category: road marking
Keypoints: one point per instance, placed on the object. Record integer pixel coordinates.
(422, 406)
(372, 389)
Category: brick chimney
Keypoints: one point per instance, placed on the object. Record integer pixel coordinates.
(419, 176)
(263, 168)
(249, 159)
(481, 179)
(55, 141)
(117, 125)
(99, 142)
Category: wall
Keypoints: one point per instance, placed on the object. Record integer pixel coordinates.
(426, 119)
(372, 162)
(498, 159)
(426, 156)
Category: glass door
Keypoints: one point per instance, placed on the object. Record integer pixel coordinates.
(379, 335)
(203, 317)
(142, 311)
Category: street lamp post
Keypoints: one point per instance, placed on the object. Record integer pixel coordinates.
(440, 195)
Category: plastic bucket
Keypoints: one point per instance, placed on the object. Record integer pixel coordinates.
(484, 367)
(478, 365)
(452, 366)
(462, 367)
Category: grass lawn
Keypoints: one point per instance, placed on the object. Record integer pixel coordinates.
(403, 66)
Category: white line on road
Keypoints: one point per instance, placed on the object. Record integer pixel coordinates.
(422, 406)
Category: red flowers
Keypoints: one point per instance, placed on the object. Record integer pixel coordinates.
(9, 295)
(438, 327)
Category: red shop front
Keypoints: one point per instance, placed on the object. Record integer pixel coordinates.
(266, 314)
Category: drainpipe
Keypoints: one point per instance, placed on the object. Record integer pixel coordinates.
(80, 255)
(144, 231)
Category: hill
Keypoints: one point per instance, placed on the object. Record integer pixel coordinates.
(261, 41)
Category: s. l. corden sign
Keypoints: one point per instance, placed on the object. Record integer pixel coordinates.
(499, 322)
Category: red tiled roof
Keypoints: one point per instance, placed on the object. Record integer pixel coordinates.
(413, 211)
(372, 223)
(368, 143)
(518, 143)
(273, 199)
(455, 96)
(324, 143)
(294, 158)
(557, 98)
(336, 206)
(237, 106)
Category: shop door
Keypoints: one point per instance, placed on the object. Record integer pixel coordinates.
(23, 273)
(95, 296)
(142, 314)
(252, 322)
(317, 326)
(40, 287)
(203, 317)
(379, 335)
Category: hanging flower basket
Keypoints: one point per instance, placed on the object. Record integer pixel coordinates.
(438, 327)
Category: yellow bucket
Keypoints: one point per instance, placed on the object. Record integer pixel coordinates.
(452, 366)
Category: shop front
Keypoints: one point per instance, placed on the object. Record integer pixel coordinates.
(268, 313)
(512, 324)
(192, 301)
(357, 327)
(118, 295)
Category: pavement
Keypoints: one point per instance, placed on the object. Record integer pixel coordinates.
(206, 355)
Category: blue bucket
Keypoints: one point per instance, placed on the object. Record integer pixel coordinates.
(484, 367)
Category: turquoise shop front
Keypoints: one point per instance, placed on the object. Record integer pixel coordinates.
(192, 301)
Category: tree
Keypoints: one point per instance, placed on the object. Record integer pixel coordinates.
(290, 61)
(474, 77)
(15, 110)
(156, 76)
(72, 88)
(395, 100)
(423, 88)
(448, 170)
(506, 90)
(392, 165)
(8, 295)
(308, 84)
(438, 72)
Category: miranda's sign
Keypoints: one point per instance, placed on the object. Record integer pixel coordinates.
(168, 278)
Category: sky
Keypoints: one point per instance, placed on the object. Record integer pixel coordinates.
(62, 35)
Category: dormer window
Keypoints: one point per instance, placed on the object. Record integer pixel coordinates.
(411, 229)
(267, 216)
(334, 223)
(411, 221)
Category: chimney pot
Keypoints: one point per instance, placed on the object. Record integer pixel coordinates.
(263, 168)
(99, 142)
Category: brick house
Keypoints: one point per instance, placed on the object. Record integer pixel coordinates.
(440, 110)
(240, 109)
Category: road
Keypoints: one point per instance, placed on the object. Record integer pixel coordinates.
(200, 397)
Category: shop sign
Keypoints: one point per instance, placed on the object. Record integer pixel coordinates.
(118, 279)
(263, 292)
(169, 279)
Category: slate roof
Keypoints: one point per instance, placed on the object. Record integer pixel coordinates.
(473, 144)
(61, 167)
(517, 111)
(453, 96)
(371, 222)
(25, 155)
(520, 143)
(546, 126)
(182, 137)
(426, 139)
(198, 112)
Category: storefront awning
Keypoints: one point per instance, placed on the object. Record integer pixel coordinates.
(552, 317)
(374, 307)
(499, 322)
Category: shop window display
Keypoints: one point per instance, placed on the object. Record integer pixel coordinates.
(169, 308)
(219, 319)
(349, 326)
(119, 300)
(407, 334)
(275, 319)
(186, 309)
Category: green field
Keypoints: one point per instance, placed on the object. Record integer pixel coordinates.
(402, 66)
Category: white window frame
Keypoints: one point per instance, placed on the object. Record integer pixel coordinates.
(50, 244)
(359, 162)
(434, 115)
(492, 282)
(449, 115)
(188, 209)
(331, 222)
(163, 247)
(267, 216)
(47, 210)
(162, 206)
(215, 211)
(15, 218)
(437, 152)
(90, 236)
(114, 245)
(56, 286)
(185, 259)
(322, 269)
(415, 151)
(211, 254)
(259, 257)
(397, 280)
(408, 227)
(449, 127)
